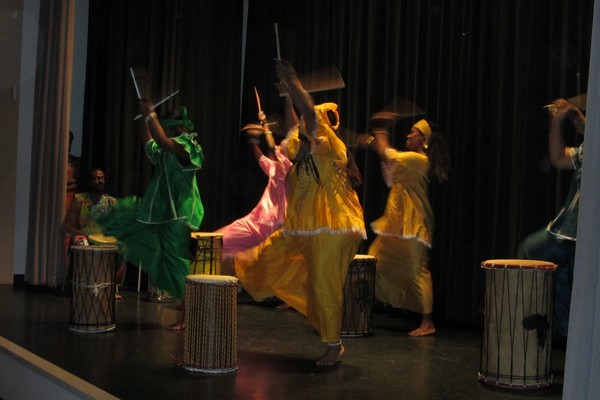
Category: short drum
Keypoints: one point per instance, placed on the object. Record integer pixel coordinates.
(93, 288)
(517, 337)
(359, 291)
(210, 342)
(207, 252)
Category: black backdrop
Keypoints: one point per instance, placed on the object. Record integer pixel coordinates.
(481, 69)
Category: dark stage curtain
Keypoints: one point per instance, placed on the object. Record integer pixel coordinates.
(482, 70)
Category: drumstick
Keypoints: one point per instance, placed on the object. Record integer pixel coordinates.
(158, 104)
(137, 89)
(277, 42)
(257, 100)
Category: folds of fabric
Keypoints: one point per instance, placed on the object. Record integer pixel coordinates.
(160, 249)
(268, 214)
(306, 271)
(408, 213)
(320, 196)
(306, 263)
(403, 278)
(173, 191)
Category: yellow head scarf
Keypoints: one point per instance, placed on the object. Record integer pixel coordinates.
(424, 128)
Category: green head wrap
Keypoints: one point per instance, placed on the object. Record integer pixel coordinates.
(184, 121)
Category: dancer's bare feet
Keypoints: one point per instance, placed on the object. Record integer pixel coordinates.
(422, 331)
(332, 356)
(427, 328)
(283, 306)
(179, 325)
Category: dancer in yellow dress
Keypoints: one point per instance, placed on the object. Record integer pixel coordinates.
(305, 263)
(405, 230)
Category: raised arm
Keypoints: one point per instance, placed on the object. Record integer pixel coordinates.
(559, 153)
(301, 99)
(155, 131)
(381, 142)
(262, 117)
(379, 139)
(254, 131)
(291, 119)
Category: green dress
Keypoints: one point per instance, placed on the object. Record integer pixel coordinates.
(155, 229)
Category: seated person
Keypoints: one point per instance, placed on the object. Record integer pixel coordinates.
(80, 221)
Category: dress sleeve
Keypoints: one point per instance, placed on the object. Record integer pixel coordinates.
(292, 142)
(403, 165)
(151, 150)
(265, 164)
(192, 147)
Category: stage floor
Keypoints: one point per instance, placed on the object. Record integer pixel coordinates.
(275, 358)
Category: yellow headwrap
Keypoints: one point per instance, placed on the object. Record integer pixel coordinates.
(424, 128)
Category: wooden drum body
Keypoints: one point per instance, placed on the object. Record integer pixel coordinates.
(93, 286)
(359, 291)
(210, 343)
(207, 249)
(517, 338)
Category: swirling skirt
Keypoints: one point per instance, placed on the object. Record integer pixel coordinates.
(160, 249)
(308, 272)
(403, 278)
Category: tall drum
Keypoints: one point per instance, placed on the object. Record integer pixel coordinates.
(207, 251)
(358, 297)
(210, 343)
(517, 337)
(93, 287)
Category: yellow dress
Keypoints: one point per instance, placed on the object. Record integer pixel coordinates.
(305, 263)
(404, 234)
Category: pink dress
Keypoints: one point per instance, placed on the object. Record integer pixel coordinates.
(267, 216)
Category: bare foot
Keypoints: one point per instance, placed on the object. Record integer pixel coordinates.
(332, 356)
(282, 307)
(423, 330)
(177, 326)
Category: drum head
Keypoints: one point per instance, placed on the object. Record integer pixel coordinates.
(199, 235)
(95, 248)
(211, 279)
(363, 257)
(518, 264)
(98, 238)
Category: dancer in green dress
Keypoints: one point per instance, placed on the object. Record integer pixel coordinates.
(155, 229)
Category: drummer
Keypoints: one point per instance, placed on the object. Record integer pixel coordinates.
(80, 221)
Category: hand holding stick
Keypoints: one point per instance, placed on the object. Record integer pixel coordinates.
(262, 117)
(157, 104)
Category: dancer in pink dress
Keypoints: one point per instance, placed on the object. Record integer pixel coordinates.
(269, 213)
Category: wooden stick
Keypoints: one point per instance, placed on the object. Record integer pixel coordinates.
(137, 89)
(257, 99)
(277, 42)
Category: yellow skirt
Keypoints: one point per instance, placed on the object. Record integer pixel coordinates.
(403, 278)
(306, 271)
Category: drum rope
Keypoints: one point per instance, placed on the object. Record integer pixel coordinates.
(96, 286)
